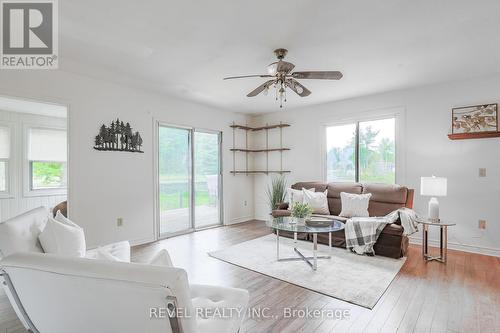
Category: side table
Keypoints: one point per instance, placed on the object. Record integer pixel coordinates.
(443, 240)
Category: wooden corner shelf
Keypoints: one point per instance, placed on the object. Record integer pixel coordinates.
(264, 130)
(482, 135)
(248, 128)
(258, 150)
(259, 172)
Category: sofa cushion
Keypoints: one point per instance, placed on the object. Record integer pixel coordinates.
(213, 299)
(318, 186)
(334, 190)
(20, 233)
(385, 198)
(387, 193)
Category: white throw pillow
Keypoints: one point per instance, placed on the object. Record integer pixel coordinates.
(317, 201)
(20, 233)
(103, 254)
(63, 219)
(354, 205)
(162, 258)
(295, 196)
(63, 239)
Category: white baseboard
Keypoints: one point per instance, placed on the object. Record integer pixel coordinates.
(461, 247)
(240, 219)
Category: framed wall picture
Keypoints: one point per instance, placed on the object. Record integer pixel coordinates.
(475, 119)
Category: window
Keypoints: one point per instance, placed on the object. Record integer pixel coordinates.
(362, 151)
(47, 155)
(4, 158)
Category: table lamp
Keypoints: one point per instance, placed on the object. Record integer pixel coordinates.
(433, 187)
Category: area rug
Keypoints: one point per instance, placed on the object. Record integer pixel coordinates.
(356, 279)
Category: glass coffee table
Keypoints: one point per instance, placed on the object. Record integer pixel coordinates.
(287, 224)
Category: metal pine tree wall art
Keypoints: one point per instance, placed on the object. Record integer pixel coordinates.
(118, 136)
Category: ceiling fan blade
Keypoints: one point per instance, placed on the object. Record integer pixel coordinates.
(245, 76)
(298, 88)
(280, 66)
(321, 75)
(260, 88)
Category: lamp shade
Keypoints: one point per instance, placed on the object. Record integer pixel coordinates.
(433, 186)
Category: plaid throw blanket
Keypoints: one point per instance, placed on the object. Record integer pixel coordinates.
(361, 233)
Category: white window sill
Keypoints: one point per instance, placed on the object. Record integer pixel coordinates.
(45, 193)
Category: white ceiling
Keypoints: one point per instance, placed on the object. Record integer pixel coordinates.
(185, 48)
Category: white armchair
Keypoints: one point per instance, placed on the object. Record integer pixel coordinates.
(58, 294)
(20, 234)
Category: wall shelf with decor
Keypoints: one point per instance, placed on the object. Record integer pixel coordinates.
(480, 135)
(475, 122)
(267, 149)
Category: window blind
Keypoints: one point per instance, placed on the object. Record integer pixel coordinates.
(47, 145)
(4, 142)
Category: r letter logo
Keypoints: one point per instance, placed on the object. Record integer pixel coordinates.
(29, 34)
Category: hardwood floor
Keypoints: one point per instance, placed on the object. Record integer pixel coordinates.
(461, 296)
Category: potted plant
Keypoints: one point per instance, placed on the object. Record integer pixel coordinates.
(276, 192)
(300, 211)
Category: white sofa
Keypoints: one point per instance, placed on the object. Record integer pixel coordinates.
(58, 294)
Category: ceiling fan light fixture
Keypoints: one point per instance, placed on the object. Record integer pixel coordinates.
(281, 77)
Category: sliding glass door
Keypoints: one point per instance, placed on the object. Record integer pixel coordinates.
(174, 179)
(207, 178)
(189, 179)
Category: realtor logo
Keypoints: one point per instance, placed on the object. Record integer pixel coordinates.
(29, 34)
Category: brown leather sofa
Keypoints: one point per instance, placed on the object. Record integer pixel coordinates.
(385, 199)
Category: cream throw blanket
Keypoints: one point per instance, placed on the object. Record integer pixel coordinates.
(361, 233)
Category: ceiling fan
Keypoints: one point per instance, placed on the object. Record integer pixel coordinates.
(283, 78)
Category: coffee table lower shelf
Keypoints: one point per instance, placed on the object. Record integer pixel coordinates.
(311, 261)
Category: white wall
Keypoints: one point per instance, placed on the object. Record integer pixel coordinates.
(16, 201)
(427, 151)
(107, 185)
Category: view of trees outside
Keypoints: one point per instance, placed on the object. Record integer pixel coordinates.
(175, 179)
(206, 169)
(341, 144)
(174, 166)
(48, 175)
(377, 158)
(3, 176)
(377, 151)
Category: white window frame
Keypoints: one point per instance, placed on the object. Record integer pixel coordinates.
(398, 113)
(10, 176)
(27, 189)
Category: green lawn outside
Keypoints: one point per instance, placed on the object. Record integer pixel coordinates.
(181, 200)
